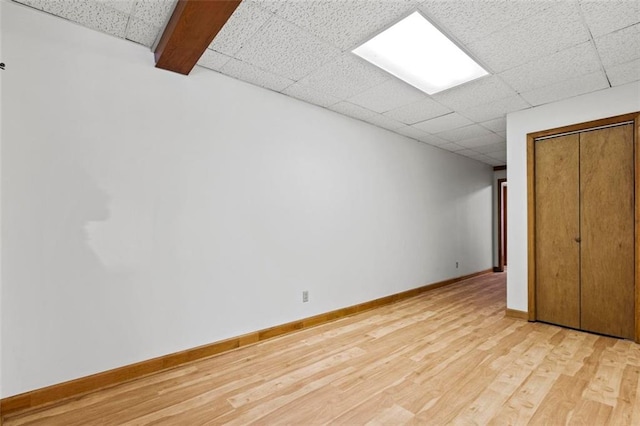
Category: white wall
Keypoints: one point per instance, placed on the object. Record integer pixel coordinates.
(145, 212)
(605, 103)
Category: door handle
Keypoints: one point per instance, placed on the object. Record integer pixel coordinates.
(577, 239)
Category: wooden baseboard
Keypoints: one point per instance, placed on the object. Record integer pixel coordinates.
(514, 313)
(74, 388)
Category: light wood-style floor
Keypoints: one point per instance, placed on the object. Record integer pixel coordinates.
(446, 356)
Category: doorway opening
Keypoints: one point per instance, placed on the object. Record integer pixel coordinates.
(502, 224)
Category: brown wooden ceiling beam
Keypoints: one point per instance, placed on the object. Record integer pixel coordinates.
(191, 29)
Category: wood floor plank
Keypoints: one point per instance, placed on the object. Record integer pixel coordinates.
(524, 402)
(589, 412)
(449, 356)
(487, 405)
(604, 386)
(624, 408)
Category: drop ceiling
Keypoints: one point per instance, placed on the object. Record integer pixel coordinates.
(536, 51)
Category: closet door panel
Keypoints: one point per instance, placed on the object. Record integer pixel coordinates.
(557, 221)
(607, 231)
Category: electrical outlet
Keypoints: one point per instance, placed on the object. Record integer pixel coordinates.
(456, 265)
(305, 296)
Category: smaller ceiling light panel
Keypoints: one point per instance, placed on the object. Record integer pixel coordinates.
(415, 51)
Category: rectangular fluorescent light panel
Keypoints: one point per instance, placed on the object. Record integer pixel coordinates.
(415, 51)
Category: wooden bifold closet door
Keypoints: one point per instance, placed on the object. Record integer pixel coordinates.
(584, 197)
(557, 226)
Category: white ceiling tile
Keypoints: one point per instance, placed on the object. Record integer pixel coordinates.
(412, 132)
(345, 77)
(607, 16)
(482, 158)
(492, 147)
(270, 5)
(124, 6)
(142, 32)
(494, 163)
(564, 65)
(245, 21)
(495, 109)
(475, 155)
(213, 60)
(555, 28)
(344, 23)
(467, 153)
(101, 18)
(453, 147)
(284, 49)
(355, 111)
(154, 12)
(312, 96)
(624, 73)
(387, 96)
(384, 122)
(54, 7)
(476, 92)
(498, 155)
(461, 133)
(445, 122)
(619, 47)
(469, 21)
(434, 140)
(251, 74)
(420, 135)
(37, 4)
(567, 89)
(115, 17)
(495, 125)
(418, 111)
(90, 14)
(473, 143)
